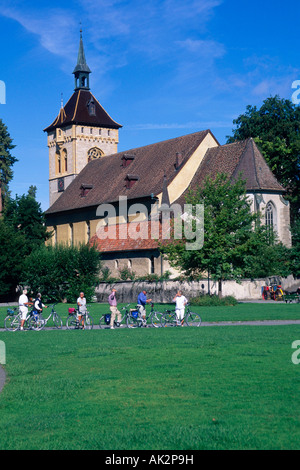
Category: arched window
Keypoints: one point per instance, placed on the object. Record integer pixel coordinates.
(65, 160)
(270, 216)
(58, 162)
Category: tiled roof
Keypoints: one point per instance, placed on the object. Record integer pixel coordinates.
(144, 235)
(242, 157)
(76, 111)
(108, 176)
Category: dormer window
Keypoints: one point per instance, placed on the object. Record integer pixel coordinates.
(127, 159)
(91, 107)
(131, 180)
(178, 161)
(85, 189)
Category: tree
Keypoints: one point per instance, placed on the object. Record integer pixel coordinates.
(12, 256)
(25, 215)
(62, 272)
(6, 160)
(235, 245)
(275, 127)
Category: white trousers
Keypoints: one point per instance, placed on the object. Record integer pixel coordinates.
(180, 313)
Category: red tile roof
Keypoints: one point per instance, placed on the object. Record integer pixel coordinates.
(133, 236)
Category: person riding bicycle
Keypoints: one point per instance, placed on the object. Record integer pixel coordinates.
(181, 302)
(81, 302)
(141, 303)
(113, 309)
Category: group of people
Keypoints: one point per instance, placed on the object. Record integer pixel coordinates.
(142, 301)
(24, 303)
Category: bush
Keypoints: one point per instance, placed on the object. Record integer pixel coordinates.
(213, 301)
(62, 272)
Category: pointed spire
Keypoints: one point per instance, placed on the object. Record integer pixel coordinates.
(82, 70)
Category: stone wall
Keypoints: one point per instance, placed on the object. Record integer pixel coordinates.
(164, 291)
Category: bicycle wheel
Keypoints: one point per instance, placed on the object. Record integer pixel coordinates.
(12, 322)
(72, 322)
(193, 319)
(36, 322)
(88, 322)
(156, 319)
(133, 322)
(168, 319)
(57, 321)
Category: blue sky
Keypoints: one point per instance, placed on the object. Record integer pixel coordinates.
(161, 68)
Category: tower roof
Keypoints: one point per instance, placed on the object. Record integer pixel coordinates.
(78, 111)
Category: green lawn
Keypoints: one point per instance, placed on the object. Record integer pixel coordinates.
(168, 388)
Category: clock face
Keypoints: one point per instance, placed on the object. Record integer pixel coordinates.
(60, 184)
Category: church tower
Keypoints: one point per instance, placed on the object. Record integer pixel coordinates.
(82, 131)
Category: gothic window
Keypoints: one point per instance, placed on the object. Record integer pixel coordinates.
(270, 215)
(94, 153)
(58, 162)
(65, 160)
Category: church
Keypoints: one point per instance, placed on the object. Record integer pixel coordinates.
(94, 189)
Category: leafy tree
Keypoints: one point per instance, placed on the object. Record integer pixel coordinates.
(62, 272)
(235, 245)
(25, 215)
(12, 255)
(275, 127)
(7, 160)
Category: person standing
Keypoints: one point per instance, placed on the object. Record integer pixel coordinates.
(38, 304)
(181, 302)
(23, 307)
(113, 309)
(81, 302)
(141, 303)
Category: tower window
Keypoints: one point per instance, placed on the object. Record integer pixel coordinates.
(91, 107)
(82, 130)
(91, 130)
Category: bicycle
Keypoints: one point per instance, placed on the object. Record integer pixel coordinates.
(55, 317)
(73, 323)
(33, 321)
(134, 320)
(104, 321)
(169, 318)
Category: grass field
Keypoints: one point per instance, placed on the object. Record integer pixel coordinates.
(167, 389)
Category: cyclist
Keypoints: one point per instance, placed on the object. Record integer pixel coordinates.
(141, 303)
(23, 306)
(81, 302)
(113, 309)
(181, 302)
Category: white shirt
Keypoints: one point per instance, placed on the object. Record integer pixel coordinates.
(81, 302)
(23, 299)
(180, 301)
